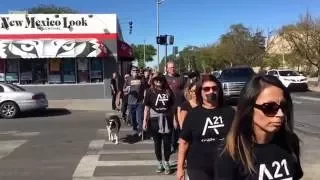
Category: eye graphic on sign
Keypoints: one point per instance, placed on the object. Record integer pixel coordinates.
(67, 47)
(22, 47)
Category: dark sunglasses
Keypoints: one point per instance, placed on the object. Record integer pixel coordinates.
(270, 109)
(207, 89)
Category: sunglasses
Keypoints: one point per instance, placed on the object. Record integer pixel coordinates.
(270, 109)
(208, 88)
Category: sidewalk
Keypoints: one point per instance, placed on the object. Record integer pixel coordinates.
(82, 104)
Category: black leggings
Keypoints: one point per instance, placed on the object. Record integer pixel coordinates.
(158, 138)
(195, 174)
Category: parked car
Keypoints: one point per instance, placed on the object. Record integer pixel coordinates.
(14, 99)
(290, 79)
(233, 80)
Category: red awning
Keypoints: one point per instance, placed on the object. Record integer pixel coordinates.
(125, 51)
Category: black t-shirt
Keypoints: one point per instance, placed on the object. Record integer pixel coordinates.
(160, 101)
(271, 162)
(205, 130)
(185, 106)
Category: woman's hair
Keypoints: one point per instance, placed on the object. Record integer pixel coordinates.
(240, 139)
(160, 78)
(187, 89)
(209, 77)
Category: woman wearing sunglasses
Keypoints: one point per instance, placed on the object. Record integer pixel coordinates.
(261, 144)
(191, 102)
(158, 119)
(204, 130)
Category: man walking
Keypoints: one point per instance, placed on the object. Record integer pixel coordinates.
(176, 83)
(135, 86)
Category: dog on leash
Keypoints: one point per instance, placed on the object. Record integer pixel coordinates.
(113, 125)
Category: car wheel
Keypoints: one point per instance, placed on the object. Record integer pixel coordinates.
(9, 110)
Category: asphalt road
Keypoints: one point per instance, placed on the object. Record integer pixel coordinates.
(72, 146)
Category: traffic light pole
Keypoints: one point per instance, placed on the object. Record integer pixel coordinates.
(158, 45)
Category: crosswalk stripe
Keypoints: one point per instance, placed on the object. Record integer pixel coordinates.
(131, 163)
(159, 177)
(6, 147)
(134, 151)
(139, 142)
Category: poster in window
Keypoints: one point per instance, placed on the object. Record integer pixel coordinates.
(2, 67)
(55, 65)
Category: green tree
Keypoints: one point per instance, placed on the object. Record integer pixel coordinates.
(304, 38)
(138, 50)
(50, 9)
(241, 46)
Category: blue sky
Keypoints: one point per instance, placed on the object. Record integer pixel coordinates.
(192, 22)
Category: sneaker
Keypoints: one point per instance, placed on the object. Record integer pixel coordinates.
(160, 168)
(167, 169)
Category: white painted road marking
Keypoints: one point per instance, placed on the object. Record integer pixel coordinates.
(132, 151)
(6, 147)
(308, 98)
(139, 142)
(159, 177)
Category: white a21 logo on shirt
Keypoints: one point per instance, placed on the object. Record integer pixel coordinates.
(162, 98)
(278, 168)
(213, 123)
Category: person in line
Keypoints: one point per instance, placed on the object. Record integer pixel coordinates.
(191, 102)
(176, 83)
(135, 87)
(114, 86)
(204, 131)
(124, 104)
(261, 144)
(158, 119)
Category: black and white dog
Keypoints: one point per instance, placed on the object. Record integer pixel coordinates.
(113, 125)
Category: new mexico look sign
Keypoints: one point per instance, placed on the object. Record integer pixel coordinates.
(57, 23)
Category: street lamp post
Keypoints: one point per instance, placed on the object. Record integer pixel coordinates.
(158, 31)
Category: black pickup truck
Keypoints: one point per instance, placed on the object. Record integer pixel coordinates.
(233, 80)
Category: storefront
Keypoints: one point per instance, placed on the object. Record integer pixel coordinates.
(43, 51)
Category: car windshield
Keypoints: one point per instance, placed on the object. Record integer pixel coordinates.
(15, 87)
(288, 73)
(243, 72)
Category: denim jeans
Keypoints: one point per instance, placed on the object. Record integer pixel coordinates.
(136, 113)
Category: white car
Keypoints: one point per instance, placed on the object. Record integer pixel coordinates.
(14, 99)
(290, 79)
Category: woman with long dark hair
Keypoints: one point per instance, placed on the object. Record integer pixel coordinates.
(203, 131)
(261, 143)
(189, 103)
(158, 119)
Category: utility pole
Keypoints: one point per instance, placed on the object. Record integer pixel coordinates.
(158, 2)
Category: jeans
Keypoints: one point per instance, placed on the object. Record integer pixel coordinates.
(136, 114)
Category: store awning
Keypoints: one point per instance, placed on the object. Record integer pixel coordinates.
(52, 48)
(125, 51)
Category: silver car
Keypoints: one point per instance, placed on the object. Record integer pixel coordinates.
(14, 99)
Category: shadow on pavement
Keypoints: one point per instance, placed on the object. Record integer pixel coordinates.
(131, 139)
(45, 113)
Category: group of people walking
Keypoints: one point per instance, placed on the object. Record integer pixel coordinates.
(254, 141)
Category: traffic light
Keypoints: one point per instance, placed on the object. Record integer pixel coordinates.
(162, 39)
(130, 27)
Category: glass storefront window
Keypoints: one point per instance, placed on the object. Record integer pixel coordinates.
(83, 70)
(54, 71)
(69, 71)
(40, 71)
(2, 69)
(12, 71)
(26, 71)
(96, 70)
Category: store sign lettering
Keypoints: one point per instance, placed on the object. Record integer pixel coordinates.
(33, 22)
